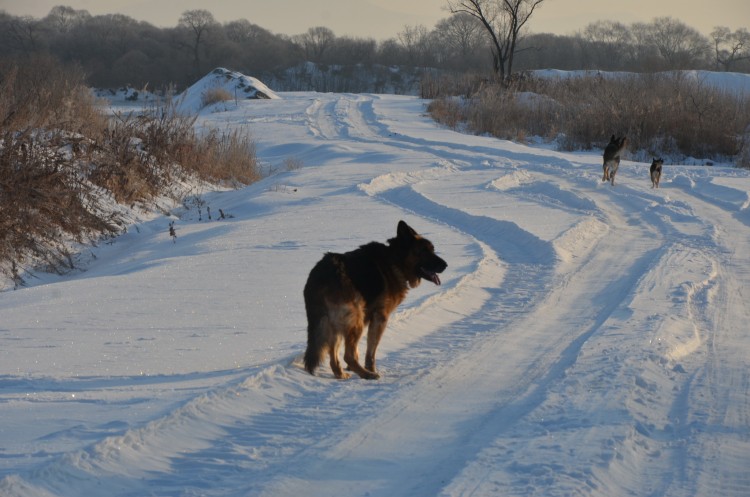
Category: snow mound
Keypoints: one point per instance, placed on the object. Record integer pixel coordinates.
(231, 83)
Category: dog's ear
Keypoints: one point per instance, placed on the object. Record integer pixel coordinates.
(405, 231)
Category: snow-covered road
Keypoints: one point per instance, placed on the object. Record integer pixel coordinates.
(587, 339)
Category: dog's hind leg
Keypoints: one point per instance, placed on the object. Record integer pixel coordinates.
(613, 171)
(333, 353)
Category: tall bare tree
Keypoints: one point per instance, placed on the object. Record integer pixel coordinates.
(503, 20)
(678, 45)
(62, 19)
(21, 33)
(416, 43)
(198, 22)
(612, 42)
(730, 47)
(315, 42)
(459, 41)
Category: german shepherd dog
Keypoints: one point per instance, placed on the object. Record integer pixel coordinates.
(612, 158)
(655, 172)
(346, 292)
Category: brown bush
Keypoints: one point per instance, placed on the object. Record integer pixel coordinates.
(40, 93)
(45, 110)
(662, 114)
(224, 157)
(62, 159)
(45, 203)
(215, 95)
(434, 86)
(448, 111)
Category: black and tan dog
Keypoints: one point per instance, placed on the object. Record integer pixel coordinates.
(346, 292)
(655, 172)
(612, 157)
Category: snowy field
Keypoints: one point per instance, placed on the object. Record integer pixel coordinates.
(587, 340)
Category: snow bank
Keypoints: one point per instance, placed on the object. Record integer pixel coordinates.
(235, 84)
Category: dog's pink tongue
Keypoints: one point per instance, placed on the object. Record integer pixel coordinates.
(435, 278)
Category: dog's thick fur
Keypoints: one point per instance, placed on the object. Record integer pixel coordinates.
(612, 157)
(346, 292)
(655, 172)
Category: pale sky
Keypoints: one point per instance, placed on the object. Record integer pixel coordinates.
(382, 19)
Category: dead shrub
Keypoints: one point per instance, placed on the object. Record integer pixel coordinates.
(46, 201)
(215, 95)
(224, 157)
(662, 114)
(434, 86)
(62, 161)
(40, 93)
(45, 204)
(448, 111)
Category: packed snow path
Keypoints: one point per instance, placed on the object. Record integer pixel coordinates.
(587, 340)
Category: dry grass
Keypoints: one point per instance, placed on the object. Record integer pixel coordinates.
(224, 157)
(661, 114)
(61, 160)
(45, 112)
(215, 95)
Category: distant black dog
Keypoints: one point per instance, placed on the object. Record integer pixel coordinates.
(346, 292)
(655, 171)
(612, 158)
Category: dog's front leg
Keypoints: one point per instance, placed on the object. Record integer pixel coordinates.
(351, 355)
(375, 332)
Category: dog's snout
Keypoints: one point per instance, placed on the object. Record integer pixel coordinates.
(440, 265)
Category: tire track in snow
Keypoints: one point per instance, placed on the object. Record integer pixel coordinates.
(647, 460)
(646, 261)
(476, 358)
(191, 439)
(716, 441)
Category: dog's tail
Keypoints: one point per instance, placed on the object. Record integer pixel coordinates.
(314, 352)
(316, 310)
(316, 338)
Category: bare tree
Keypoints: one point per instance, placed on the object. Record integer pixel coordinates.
(416, 43)
(315, 42)
(730, 47)
(458, 40)
(612, 41)
(199, 22)
(62, 19)
(240, 31)
(346, 50)
(22, 33)
(679, 45)
(503, 20)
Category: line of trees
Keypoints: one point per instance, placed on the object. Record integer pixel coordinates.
(115, 50)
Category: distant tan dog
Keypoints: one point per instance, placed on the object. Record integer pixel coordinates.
(346, 292)
(655, 172)
(612, 157)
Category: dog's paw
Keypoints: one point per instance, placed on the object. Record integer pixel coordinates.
(371, 375)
